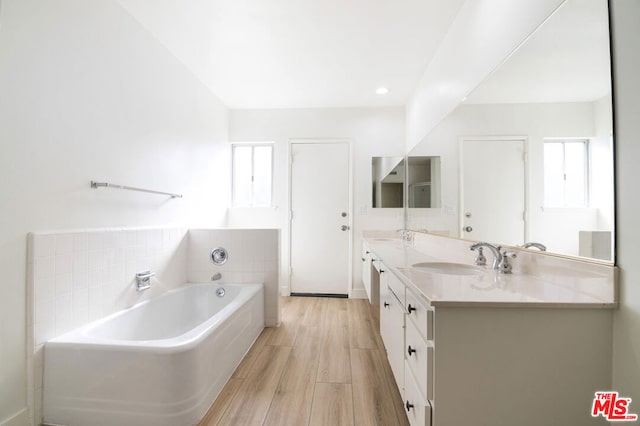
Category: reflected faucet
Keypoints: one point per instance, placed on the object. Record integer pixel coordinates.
(539, 246)
(405, 234)
(497, 256)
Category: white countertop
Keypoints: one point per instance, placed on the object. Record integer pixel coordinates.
(560, 288)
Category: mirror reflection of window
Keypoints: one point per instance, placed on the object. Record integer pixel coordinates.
(566, 173)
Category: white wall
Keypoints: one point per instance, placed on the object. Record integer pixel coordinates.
(626, 329)
(88, 94)
(482, 36)
(534, 121)
(372, 131)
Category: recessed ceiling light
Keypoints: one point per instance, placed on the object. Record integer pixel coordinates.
(382, 90)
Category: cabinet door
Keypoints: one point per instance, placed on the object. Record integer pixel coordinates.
(420, 313)
(419, 355)
(392, 332)
(366, 270)
(418, 410)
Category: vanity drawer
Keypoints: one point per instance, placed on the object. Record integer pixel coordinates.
(421, 314)
(419, 357)
(397, 287)
(417, 409)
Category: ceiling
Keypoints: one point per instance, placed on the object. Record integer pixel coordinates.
(335, 53)
(301, 53)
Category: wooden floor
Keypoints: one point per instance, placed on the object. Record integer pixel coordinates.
(325, 365)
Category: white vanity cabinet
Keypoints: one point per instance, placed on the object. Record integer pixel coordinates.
(523, 352)
(409, 352)
(392, 326)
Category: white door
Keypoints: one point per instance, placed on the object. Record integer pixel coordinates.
(493, 190)
(320, 218)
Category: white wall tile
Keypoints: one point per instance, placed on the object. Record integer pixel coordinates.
(64, 263)
(64, 313)
(63, 244)
(64, 283)
(45, 311)
(80, 241)
(44, 246)
(44, 288)
(44, 331)
(80, 300)
(96, 241)
(45, 267)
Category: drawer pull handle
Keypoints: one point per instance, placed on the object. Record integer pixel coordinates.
(408, 406)
(386, 305)
(367, 252)
(364, 260)
(411, 308)
(410, 350)
(382, 271)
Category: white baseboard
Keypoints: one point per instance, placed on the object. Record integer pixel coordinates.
(358, 293)
(21, 418)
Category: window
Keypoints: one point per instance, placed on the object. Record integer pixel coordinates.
(566, 173)
(252, 174)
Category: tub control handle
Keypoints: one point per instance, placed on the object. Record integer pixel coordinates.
(143, 280)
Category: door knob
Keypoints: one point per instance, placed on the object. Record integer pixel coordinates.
(344, 228)
(467, 229)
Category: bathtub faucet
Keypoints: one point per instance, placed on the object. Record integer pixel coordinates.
(216, 276)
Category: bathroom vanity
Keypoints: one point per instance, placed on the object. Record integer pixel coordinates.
(470, 345)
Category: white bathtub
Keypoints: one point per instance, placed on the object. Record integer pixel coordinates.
(161, 362)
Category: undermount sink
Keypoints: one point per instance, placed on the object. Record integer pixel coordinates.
(447, 268)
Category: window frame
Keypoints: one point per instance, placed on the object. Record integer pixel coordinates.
(587, 171)
(251, 145)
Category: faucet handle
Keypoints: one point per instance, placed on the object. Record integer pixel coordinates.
(480, 259)
(504, 266)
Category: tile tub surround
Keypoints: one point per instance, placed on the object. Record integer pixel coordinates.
(75, 277)
(254, 256)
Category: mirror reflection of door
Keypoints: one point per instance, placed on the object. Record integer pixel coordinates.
(423, 182)
(387, 182)
(493, 189)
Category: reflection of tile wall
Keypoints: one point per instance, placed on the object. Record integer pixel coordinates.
(77, 277)
(253, 258)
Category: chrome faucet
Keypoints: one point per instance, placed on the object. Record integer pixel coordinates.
(539, 246)
(497, 256)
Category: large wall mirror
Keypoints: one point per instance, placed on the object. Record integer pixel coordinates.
(528, 155)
